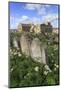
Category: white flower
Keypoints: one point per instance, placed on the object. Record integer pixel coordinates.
(48, 42)
(55, 69)
(13, 50)
(54, 64)
(47, 68)
(15, 53)
(36, 68)
(52, 54)
(55, 48)
(10, 50)
(28, 74)
(24, 77)
(19, 54)
(11, 69)
(57, 66)
(45, 72)
(52, 61)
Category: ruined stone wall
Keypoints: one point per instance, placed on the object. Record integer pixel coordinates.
(38, 28)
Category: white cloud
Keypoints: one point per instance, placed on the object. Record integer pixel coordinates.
(35, 6)
(27, 20)
(51, 17)
(47, 5)
(36, 20)
(55, 23)
(41, 9)
(30, 6)
(24, 17)
(14, 21)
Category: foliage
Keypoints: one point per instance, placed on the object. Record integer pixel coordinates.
(24, 71)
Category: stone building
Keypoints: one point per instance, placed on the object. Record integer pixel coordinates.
(38, 28)
(46, 28)
(26, 27)
(19, 27)
(55, 30)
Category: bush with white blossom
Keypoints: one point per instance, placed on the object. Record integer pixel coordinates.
(24, 71)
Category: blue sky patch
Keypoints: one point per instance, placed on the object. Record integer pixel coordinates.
(32, 13)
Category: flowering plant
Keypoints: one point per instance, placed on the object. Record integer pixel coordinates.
(24, 71)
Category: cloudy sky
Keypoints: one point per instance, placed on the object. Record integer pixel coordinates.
(32, 13)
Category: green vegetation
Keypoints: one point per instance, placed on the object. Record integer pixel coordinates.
(24, 71)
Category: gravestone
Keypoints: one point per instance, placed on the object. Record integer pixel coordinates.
(38, 52)
(15, 43)
(43, 47)
(25, 44)
(35, 50)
